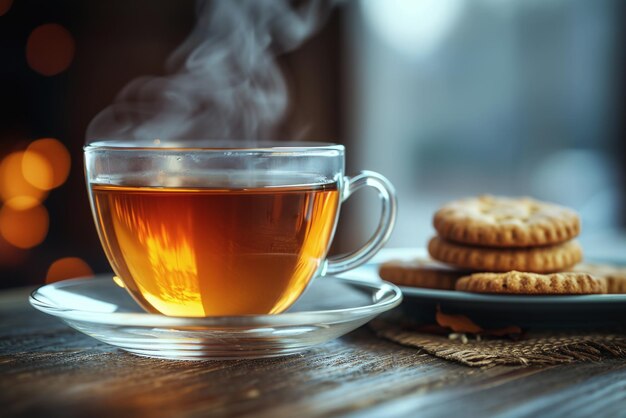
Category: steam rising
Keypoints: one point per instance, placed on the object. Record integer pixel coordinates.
(223, 82)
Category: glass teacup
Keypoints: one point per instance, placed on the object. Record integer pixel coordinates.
(225, 229)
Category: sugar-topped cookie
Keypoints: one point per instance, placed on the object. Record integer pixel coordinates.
(491, 221)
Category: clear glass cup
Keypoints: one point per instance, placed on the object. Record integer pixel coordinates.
(227, 228)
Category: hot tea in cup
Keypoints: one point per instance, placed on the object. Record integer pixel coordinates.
(226, 230)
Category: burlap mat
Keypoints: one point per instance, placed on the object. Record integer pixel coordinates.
(538, 347)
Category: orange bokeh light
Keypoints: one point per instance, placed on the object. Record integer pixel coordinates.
(5, 5)
(50, 49)
(37, 170)
(68, 268)
(24, 228)
(15, 190)
(56, 157)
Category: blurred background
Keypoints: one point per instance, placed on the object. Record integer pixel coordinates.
(447, 98)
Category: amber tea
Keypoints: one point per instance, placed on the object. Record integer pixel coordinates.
(211, 228)
(191, 251)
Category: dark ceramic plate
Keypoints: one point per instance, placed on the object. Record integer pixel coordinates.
(583, 311)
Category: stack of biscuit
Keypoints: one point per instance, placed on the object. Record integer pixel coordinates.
(502, 245)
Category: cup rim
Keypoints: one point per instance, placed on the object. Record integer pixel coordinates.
(213, 146)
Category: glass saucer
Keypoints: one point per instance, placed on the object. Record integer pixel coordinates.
(330, 307)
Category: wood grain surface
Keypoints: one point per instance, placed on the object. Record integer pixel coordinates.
(49, 370)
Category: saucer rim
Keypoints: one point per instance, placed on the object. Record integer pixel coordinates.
(146, 319)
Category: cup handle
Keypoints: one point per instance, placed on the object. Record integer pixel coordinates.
(386, 191)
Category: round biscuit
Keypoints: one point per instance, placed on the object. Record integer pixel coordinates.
(522, 283)
(536, 260)
(420, 272)
(615, 276)
(506, 222)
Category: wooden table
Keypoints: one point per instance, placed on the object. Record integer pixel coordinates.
(49, 370)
